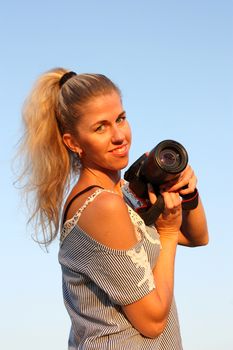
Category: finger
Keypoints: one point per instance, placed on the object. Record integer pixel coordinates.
(185, 174)
(171, 200)
(181, 183)
(187, 178)
(176, 200)
(167, 200)
(172, 203)
(151, 194)
(191, 186)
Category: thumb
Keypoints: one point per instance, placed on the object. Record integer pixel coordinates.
(152, 195)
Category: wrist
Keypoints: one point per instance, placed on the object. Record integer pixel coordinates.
(190, 200)
(169, 234)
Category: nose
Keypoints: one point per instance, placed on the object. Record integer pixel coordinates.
(118, 135)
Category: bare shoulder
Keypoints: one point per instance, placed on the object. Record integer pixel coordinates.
(107, 220)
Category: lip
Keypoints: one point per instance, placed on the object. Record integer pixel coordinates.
(120, 151)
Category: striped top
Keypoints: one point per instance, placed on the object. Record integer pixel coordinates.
(98, 280)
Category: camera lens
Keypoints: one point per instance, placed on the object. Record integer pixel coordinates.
(165, 160)
(163, 163)
(169, 158)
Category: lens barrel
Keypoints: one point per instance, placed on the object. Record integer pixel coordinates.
(165, 161)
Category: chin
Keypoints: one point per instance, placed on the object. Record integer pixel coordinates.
(118, 167)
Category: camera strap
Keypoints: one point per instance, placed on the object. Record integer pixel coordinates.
(151, 214)
(190, 201)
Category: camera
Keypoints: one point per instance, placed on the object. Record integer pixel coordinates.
(163, 164)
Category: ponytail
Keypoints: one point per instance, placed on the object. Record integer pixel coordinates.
(47, 166)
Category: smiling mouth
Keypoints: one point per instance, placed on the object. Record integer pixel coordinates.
(120, 151)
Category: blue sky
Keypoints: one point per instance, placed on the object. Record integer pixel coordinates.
(173, 63)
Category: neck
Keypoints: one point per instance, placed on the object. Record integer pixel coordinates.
(108, 180)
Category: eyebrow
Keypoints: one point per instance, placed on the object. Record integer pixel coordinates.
(104, 120)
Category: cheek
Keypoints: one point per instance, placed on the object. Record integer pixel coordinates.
(93, 147)
(128, 133)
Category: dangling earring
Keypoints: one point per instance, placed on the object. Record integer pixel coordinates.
(77, 164)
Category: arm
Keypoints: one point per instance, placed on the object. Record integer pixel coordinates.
(156, 309)
(149, 314)
(194, 230)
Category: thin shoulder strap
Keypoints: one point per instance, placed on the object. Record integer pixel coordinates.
(77, 195)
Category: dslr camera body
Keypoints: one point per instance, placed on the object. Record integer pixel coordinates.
(162, 164)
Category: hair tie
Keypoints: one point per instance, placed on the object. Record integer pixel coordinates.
(66, 77)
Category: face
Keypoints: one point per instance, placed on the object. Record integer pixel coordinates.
(103, 134)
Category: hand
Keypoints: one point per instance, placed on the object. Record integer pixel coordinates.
(186, 179)
(169, 222)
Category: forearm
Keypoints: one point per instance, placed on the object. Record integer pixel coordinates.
(194, 230)
(164, 275)
(149, 314)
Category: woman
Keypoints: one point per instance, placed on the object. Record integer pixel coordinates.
(118, 274)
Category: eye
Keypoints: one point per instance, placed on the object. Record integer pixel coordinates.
(121, 119)
(100, 128)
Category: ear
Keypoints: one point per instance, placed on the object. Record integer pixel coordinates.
(71, 143)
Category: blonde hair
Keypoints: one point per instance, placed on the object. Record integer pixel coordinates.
(48, 165)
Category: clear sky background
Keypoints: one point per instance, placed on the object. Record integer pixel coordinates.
(173, 61)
